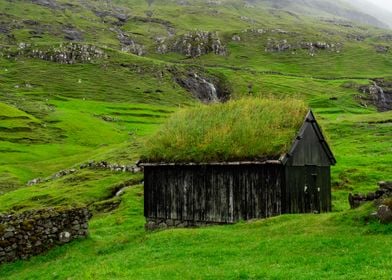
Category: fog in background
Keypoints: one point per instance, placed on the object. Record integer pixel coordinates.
(379, 9)
(385, 4)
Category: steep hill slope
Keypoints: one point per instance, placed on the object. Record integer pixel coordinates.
(367, 7)
(87, 78)
(348, 10)
(84, 81)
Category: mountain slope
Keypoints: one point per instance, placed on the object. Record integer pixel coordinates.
(85, 80)
(329, 9)
(101, 56)
(373, 10)
(71, 65)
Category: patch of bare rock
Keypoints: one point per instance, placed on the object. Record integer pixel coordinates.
(382, 197)
(379, 93)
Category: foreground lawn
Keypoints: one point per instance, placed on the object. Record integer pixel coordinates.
(331, 246)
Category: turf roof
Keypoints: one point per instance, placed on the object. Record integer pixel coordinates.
(245, 129)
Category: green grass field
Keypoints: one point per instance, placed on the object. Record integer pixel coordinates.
(328, 246)
(55, 116)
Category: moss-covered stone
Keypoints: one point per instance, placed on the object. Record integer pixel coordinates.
(27, 225)
(388, 202)
(32, 232)
(4, 243)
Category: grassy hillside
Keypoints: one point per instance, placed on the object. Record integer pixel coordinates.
(121, 85)
(333, 246)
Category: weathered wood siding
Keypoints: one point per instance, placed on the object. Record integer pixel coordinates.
(307, 174)
(309, 150)
(307, 189)
(211, 193)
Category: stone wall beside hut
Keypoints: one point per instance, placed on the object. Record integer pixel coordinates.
(30, 233)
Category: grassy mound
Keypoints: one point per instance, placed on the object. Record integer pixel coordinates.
(245, 129)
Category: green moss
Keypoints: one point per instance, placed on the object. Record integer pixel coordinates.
(27, 225)
(2, 229)
(388, 202)
(245, 129)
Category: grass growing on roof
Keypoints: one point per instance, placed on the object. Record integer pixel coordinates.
(245, 129)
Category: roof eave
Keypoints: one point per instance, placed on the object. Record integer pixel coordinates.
(229, 163)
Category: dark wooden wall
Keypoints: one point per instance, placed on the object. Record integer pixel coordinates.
(229, 193)
(307, 174)
(213, 193)
(316, 197)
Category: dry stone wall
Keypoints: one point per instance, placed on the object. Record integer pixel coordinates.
(30, 233)
(382, 199)
(156, 224)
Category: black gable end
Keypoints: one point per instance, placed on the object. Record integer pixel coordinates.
(310, 146)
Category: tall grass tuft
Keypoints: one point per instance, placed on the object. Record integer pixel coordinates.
(245, 129)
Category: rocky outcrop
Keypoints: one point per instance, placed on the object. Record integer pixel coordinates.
(4, 29)
(356, 37)
(70, 53)
(73, 34)
(236, 37)
(385, 37)
(382, 198)
(381, 49)
(198, 43)
(192, 44)
(255, 31)
(47, 3)
(33, 232)
(283, 45)
(379, 93)
(384, 214)
(206, 89)
(384, 191)
(162, 45)
(278, 46)
(214, 2)
(128, 44)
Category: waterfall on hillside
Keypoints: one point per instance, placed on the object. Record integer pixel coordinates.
(210, 88)
(213, 93)
(383, 99)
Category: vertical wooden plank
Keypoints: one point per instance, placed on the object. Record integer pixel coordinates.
(196, 181)
(230, 210)
(209, 195)
(203, 199)
(236, 195)
(147, 193)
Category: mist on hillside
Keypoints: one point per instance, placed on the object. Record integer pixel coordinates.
(380, 9)
(372, 12)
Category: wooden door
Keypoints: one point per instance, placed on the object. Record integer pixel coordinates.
(312, 192)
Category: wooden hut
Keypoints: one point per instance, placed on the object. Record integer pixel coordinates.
(194, 194)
